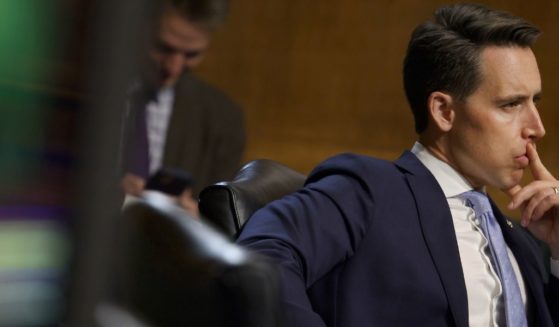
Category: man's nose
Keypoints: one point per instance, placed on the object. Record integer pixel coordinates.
(534, 128)
(174, 63)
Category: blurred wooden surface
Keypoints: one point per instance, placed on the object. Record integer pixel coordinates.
(318, 78)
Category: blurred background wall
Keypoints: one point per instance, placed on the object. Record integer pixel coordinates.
(321, 77)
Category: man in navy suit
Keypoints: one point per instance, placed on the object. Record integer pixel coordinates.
(369, 242)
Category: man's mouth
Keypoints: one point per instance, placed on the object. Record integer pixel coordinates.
(522, 161)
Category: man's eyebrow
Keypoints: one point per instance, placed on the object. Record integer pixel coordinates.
(188, 53)
(519, 97)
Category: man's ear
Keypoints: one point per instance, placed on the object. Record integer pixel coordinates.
(441, 110)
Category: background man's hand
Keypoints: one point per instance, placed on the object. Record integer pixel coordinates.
(132, 184)
(186, 201)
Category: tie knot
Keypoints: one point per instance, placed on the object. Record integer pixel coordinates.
(477, 201)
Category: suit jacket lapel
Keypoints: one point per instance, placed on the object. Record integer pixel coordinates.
(529, 261)
(438, 230)
(182, 146)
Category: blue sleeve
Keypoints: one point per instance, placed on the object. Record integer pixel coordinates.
(309, 232)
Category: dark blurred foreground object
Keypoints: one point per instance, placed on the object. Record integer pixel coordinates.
(172, 270)
(228, 205)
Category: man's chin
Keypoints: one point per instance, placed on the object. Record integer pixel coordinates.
(159, 82)
(167, 82)
(514, 179)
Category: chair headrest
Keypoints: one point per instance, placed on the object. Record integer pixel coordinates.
(177, 271)
(228, 205)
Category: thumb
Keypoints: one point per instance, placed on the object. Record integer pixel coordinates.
(536, 166)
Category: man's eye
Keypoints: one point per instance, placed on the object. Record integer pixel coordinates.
(512, 105)
(191, 54)
(162, 47)
(536, 101)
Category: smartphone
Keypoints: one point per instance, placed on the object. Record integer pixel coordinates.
(172, 181)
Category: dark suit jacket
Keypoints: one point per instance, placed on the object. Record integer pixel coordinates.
(369, 242)
(206, 135)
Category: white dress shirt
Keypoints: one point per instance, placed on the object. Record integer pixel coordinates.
(158, 114)
(482, 283)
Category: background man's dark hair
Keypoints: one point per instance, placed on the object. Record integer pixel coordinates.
(208, 13)
(443, 53)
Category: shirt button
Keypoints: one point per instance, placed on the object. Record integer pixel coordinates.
(476, 221)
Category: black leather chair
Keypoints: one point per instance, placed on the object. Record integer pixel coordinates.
(228, 205)
(173, 270)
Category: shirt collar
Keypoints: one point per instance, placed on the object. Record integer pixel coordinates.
(165, 94)
(451, 182)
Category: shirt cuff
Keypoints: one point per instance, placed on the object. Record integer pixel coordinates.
(554, 267)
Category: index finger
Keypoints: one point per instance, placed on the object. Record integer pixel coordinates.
(513, 190)
(536, 166)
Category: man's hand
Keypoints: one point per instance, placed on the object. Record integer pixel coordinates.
(132, 184)
(539, 203)
(186, 201)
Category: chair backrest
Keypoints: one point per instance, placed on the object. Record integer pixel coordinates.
(228, 205)
(172, 270)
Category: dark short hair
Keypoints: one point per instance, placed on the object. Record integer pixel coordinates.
(443, 53)
(208, 13)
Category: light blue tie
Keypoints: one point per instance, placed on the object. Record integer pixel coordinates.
(514, 308)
